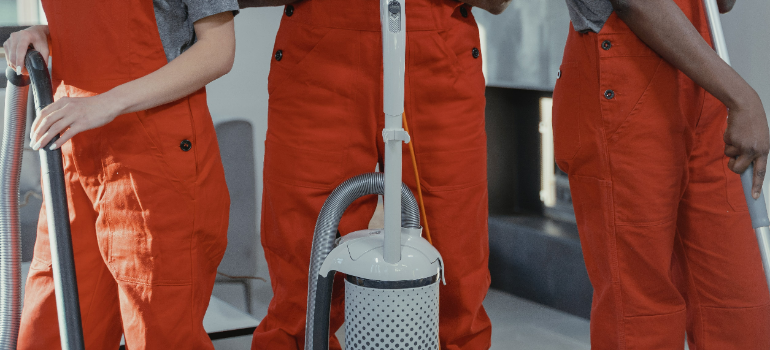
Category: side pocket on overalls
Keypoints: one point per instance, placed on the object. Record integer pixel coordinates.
(566, 114)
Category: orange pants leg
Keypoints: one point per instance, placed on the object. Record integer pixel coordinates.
(654, 201)
(98, 292)
(324, 126)
(450, 146)
(164, 224)
(321, 131)
(149, 227)
(716, 253)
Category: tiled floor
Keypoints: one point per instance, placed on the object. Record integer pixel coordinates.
(521, 324)
(516, 324)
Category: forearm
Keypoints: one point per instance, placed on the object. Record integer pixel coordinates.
(494, 7)
(665, 29)
(263, 3)
(208, 59)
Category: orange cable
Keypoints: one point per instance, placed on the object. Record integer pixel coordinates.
(417, 178)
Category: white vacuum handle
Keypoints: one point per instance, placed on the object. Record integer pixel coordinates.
(393, 19)
(757, 207)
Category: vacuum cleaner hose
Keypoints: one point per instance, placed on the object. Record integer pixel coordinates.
(10, 229)
(317, 321)
(57, 212)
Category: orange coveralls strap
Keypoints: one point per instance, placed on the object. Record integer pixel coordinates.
(325, 121)
(664, 226)
(147, 195)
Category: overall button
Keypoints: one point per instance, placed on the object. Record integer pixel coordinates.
(475, 52)
(558, 74)
(464, 11)
(278, 55)
(606, 45)
(289, 10)
(609, 94)
(186, 145)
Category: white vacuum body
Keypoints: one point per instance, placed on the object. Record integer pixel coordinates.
(394, 319)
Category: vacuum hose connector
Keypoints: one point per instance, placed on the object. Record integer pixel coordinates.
(10, 228)
(324, 237)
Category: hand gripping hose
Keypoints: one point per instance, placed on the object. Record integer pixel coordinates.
(757, 207)
(10, 228)
(54, 191)
(317, 321)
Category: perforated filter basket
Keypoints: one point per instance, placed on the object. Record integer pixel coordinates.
(391, 319)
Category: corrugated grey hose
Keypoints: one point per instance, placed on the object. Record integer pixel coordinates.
(10, 228)
(317, 319)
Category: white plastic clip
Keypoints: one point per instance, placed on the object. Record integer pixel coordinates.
(417, 232)
(395, 135)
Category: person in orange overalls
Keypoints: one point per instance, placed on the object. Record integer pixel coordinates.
(146, 189)
(325, 121)
(640, 127)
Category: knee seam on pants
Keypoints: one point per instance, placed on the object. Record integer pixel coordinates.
(154, 284)
(645, 224)
(678, 240)
(734, 308)
(656, 315)
(91, 302)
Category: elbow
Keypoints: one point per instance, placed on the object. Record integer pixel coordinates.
(224, 61)
(226, 66)
(623, 7)
(631, 10)
(498, 6)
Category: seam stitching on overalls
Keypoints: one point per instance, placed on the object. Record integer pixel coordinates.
(162, 283)
(193, 243)
(637, 106)
(93, 296)
(103, 209)
(194, 136)
(616, 285)
(702, 97)
(644, 224)
(319, 187)
(655, 315)
(193, 235)
(686, 261)
(737, 308)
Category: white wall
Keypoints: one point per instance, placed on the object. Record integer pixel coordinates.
(748, 40)
(242, 95)
(523, 46)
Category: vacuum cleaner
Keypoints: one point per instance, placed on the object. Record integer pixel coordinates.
(54, 191)
(392, 275)
(757, 207)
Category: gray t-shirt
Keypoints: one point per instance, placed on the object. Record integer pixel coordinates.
(175, 20)
(589, 15)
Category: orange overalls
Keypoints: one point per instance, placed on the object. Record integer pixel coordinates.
(663, 223)
(325, 122)
(147, 195)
